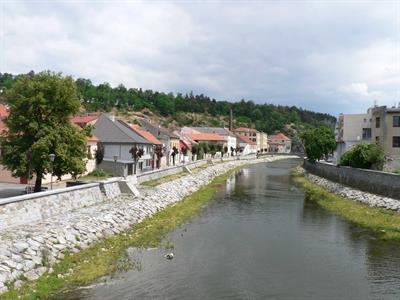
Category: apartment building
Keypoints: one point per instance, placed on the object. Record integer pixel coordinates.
(260, 138)
(379, 124)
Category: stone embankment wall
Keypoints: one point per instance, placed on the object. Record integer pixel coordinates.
(26, 209)
(31, 250)
(381, 183)
(354, 194)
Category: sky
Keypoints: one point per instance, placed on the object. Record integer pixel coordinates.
(328, 56)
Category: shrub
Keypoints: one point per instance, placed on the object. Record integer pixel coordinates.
(99, 173)
(364, 156)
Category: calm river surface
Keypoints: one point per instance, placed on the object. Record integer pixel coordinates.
(260, 239)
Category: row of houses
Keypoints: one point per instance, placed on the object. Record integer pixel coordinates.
(380, 124)
(160, 146)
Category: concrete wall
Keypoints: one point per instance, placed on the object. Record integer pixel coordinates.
(35, 207)
(381, 183)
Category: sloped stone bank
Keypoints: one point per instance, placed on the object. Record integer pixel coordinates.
(354, 194)
(30, 251)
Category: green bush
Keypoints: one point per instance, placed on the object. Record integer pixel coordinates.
(364, 156)
(99, 173)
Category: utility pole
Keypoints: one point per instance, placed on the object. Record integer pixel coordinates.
(231, 121)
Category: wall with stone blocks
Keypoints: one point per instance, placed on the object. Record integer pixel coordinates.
(375, 182)
(30, 208)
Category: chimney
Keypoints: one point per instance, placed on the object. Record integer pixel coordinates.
(231, 121)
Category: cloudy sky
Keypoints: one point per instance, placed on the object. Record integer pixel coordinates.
(329, 56)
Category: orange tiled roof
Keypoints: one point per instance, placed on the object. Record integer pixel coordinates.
(83, 119)
(145, 134)
(245, 129)
(245, 139)
(3, 111)
(206, 137)
(279, 136)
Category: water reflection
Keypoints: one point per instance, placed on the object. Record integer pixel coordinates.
(261, 240)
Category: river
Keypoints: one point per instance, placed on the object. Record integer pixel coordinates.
(260, 239)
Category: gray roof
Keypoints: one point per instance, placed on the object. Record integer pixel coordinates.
(109, 131)
(217, 130)
(152, 127)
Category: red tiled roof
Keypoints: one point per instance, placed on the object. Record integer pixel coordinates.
(245, 129)
(245, 139)
(83, 119)
(145, 134)
(3, 111)
(206, 137)
(275, 143)
(279, 136)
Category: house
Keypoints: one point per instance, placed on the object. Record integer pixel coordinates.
(6, 176)
(246, 145)
(117, 139)
(260, 138)
(151, 139)
(380, 124)
(230, 137)
(280, 143)
(84, 120)
(168, 138)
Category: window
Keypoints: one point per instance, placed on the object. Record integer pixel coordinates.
(378, 122)
(396, 121)
(377, 139)
(366, 133)
(396, 142)
(365, 120)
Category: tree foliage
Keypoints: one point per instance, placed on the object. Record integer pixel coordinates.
(38, 125)
(319, 142)
(364, 156)
(265, 117)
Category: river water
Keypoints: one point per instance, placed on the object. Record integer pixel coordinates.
(260, 239)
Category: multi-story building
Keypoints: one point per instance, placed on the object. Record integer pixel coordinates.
(280, 143)
(260, 138)
(379, 125)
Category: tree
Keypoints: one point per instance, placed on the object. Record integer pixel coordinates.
(224, 151)
(159, 152)
(40, 106)
(319, 142)
(99, 155)
(136, 153)
(195, 150)
(175, 151)
(364, 156)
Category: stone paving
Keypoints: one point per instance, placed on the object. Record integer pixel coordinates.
(354, 194)
(30, 251)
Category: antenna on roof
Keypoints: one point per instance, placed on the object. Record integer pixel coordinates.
(375, 103)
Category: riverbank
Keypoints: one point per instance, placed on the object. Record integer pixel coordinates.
(75, 249)
(383, 223)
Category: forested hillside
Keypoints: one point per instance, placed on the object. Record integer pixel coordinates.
(188, 109)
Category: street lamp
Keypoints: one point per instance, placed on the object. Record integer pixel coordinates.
(115, 164)
(52, 156)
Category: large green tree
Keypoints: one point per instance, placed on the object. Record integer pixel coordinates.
(38, 125)
(364, 156)
(319, 142)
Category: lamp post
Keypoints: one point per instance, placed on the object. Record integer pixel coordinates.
(52, 157)
(115, 164)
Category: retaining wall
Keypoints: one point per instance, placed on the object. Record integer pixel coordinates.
(375, 182)
(35, 207)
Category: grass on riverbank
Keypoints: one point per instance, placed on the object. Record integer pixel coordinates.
(103, 257)
(384, 223)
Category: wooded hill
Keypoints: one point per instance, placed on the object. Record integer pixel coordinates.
(189, 109)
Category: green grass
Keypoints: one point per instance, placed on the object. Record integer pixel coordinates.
(95, 175)
(384, 223)
(104, 257)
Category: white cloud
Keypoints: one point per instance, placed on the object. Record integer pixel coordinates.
(313, 54)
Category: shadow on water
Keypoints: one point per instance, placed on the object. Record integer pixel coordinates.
(260, 239)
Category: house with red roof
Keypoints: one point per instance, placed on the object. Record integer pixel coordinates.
(279, 143)
(245, 145)
(258, 137)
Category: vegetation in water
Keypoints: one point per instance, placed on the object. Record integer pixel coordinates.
(364, 156)
(104, 257)
(382, 222)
